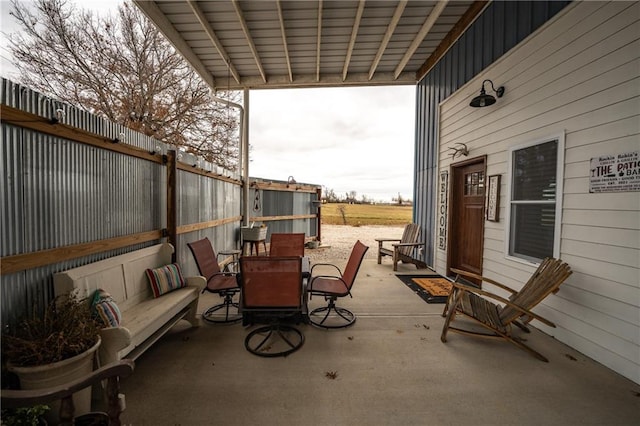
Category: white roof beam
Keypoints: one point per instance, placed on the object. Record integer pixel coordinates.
(352, 41)
(247, 34)
(154, 13)
(387, 36)
(284, 40)
(424, 30)
(214, 39)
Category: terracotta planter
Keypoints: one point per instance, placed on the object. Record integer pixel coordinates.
(59, 373)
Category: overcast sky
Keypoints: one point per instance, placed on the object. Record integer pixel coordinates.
(345, 139)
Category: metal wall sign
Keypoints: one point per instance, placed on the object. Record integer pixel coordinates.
(615, 173)
(443, 190)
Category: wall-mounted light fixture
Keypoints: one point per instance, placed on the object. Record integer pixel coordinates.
(483, 100)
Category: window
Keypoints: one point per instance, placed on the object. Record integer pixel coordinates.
(535, 203)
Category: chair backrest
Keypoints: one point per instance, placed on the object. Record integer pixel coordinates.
(271, 283)
(205, 257)
(353, 264)
(285, 244)
(411, 234)
(545, 280)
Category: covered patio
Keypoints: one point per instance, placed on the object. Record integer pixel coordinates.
(390, 368)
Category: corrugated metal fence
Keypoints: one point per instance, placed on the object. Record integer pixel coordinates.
(83, 189)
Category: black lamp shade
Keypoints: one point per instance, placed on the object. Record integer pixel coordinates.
(482, 100)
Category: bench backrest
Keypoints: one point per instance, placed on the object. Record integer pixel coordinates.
(122, 276)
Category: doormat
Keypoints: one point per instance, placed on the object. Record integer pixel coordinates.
(431, 289)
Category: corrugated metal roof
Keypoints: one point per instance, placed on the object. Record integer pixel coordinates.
(277, 44)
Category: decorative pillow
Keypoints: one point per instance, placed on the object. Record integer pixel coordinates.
(165, 279)
(104, 307)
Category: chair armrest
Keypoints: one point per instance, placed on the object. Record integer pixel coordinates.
(24, 398)
(387, 239)
(483, 279)
(408, 244)
(329, 277)
(464, 287)
(325, 264)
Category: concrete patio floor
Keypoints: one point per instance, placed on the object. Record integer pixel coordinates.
(390, 368)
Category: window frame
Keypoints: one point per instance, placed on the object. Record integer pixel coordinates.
(560, 139)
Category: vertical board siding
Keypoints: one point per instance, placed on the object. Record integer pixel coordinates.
(500, 27)
(577, 77)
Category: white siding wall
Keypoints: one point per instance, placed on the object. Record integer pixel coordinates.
(579, 75)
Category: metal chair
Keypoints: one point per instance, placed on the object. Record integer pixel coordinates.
(224, 284)
(286, 244)
(331, 287)
(272, 294)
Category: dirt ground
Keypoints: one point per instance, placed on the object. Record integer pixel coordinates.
(338, 240)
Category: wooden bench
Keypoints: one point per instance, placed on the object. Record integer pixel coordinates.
(144, 318)
(402, 250)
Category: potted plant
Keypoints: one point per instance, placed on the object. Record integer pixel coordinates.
(30, 416)
(54, 348)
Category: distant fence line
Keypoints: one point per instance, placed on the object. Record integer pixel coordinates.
(77, 189)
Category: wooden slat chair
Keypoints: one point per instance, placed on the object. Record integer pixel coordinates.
(402, 250)
(477, 305)
(114, 400)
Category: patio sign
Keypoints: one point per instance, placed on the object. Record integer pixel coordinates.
(442, 210)
(615, 173)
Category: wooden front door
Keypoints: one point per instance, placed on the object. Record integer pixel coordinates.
(467, 216)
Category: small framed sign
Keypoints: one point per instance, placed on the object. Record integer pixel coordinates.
(493, 198)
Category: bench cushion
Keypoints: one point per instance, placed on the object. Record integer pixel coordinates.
(165, 279)
(105, 308)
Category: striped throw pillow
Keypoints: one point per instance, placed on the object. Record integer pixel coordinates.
(105, 309)
(165, 279)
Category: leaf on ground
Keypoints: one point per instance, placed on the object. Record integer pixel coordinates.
(331, 375)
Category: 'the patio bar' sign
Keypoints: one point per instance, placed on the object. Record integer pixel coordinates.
(615, 173)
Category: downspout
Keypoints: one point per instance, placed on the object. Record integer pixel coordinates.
(244, 123)
(244, 150)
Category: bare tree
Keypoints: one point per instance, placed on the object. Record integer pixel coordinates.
(330, 195)
(124, 70)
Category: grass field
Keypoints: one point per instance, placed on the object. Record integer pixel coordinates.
(365, 214)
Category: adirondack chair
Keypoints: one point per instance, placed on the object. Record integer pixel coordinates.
(402, 250)
(477, 304)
